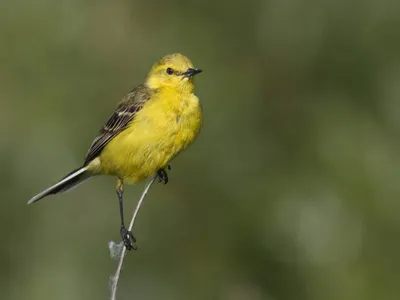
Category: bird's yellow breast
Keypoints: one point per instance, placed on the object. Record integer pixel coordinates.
(167, 124)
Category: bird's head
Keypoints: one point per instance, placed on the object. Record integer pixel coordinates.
(174, 71)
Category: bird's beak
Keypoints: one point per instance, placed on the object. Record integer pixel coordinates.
(191, 72)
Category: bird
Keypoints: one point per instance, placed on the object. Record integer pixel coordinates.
(151, 125)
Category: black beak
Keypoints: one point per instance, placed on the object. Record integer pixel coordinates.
(191, 72)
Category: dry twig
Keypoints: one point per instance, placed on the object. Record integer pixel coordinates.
(120, 248)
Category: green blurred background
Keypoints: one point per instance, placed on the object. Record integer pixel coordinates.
(292, 190)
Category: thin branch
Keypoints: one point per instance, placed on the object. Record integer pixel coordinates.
(115, 278)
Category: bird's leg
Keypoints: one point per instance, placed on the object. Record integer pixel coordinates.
(162, 175)
(127, 236)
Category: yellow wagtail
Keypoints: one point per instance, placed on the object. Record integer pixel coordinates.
(150, 126)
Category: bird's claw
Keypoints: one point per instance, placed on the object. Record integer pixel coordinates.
(163, 176)
(128, 239)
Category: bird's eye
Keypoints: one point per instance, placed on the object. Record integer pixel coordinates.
(170, 71)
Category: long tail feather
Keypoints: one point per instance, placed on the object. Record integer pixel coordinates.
(70, 181)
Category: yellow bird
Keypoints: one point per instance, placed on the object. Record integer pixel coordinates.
(151, 125)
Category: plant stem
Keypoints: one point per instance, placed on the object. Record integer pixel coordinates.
(115, 278)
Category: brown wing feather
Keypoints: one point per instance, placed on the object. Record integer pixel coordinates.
(119, 120)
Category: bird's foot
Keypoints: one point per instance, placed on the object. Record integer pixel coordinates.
(128, 239)
(163, 176)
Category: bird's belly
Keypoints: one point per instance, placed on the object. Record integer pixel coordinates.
(146, 146)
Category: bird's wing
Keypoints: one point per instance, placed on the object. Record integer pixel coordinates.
(119, 120)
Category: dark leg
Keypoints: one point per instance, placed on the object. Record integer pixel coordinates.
(162, 176)
(127, 236)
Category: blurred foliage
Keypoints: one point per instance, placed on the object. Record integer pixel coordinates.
(291, 192)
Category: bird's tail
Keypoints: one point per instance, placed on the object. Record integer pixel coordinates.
(70, 181)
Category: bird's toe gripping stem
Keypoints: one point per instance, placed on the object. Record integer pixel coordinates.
(128, 239)
(162, 175)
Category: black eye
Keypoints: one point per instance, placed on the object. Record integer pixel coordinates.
(170, 71)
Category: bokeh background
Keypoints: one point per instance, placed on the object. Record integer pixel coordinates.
(292, 190)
